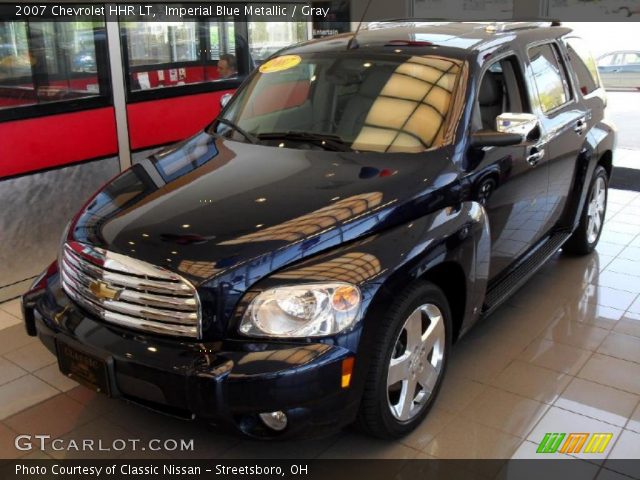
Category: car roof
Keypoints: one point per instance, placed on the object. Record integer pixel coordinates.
(619, 51)
(460, 39)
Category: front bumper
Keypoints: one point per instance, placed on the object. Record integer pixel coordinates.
(227, 382)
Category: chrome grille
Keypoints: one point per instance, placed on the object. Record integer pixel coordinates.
(129, 292)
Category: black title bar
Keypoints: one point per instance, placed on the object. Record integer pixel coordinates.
(545, 468)
(329, 10)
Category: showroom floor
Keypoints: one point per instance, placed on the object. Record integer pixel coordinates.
(562, 356)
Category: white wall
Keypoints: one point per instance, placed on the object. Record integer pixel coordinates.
(607, 36)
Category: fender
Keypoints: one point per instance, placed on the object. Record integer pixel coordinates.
(385, 263)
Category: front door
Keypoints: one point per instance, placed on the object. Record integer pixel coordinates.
(511, 182)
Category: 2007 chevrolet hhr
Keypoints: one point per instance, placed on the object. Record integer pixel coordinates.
(307, 260)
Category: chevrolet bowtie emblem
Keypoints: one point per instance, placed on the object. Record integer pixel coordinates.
(103, 291)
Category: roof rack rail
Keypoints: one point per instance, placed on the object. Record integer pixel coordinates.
(490, 26)
(495, 27)
(415, 19)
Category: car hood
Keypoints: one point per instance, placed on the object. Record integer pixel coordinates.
(208, 206)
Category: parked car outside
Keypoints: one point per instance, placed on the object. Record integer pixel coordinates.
(307, 260)
(620, 70)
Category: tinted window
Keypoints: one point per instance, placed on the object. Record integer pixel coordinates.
(500, 91)
(42, 62)
(584, 65)
(151, 43)
(385, 103)
(170, 54)
(548, 76)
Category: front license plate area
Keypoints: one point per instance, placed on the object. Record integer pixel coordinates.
(87, 369)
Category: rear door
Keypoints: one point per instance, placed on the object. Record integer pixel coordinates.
(564, 122)
(608, 65)
(629, 70)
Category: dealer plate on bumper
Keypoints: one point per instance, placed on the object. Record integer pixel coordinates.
(87, 369)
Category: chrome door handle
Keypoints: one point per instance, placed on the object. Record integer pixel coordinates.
(581, 126)
(535, 156)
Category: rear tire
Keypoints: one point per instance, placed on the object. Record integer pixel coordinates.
(585, 238)
(409, 360)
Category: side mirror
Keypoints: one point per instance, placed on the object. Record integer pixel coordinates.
(521, 123)
(226, 98)
(489, 138)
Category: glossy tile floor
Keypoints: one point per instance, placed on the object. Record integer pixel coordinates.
(562, 356)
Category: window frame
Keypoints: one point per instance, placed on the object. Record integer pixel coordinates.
(631, 52)
(520, 79)
(564, 77)
(575, 79)
(611, 64)
(203, 60)
(102, 99)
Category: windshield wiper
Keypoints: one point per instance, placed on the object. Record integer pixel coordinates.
(327, 141)
(238, 129)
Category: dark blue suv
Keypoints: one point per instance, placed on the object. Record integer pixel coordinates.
(307, 260)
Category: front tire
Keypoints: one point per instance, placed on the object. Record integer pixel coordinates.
(585, 238)
(408, 362)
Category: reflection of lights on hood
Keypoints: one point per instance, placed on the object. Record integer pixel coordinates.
(314, 222)
(132, 243)
(186, 225)
(198, 269)
(145, 235)
(354, 267)
(261, 200)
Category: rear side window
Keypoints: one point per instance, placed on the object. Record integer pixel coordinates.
(631, 58)
(583, 64)
(607, 60)
(549, 76)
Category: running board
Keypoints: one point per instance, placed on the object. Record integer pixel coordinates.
(523, 271)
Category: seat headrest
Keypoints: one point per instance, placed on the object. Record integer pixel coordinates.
(375, 82)
(490, 91)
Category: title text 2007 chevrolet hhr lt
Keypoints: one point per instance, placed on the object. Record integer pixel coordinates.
(307, 260)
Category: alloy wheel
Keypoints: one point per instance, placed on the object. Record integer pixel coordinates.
(416, 362)
(595, 214)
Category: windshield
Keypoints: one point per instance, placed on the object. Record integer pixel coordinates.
(339, 101)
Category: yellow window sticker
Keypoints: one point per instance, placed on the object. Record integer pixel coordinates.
(279, 64)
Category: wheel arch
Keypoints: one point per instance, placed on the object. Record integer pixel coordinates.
(456, 261)
(450, 277)
(606, 161)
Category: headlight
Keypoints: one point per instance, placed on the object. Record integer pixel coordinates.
(310, 310)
